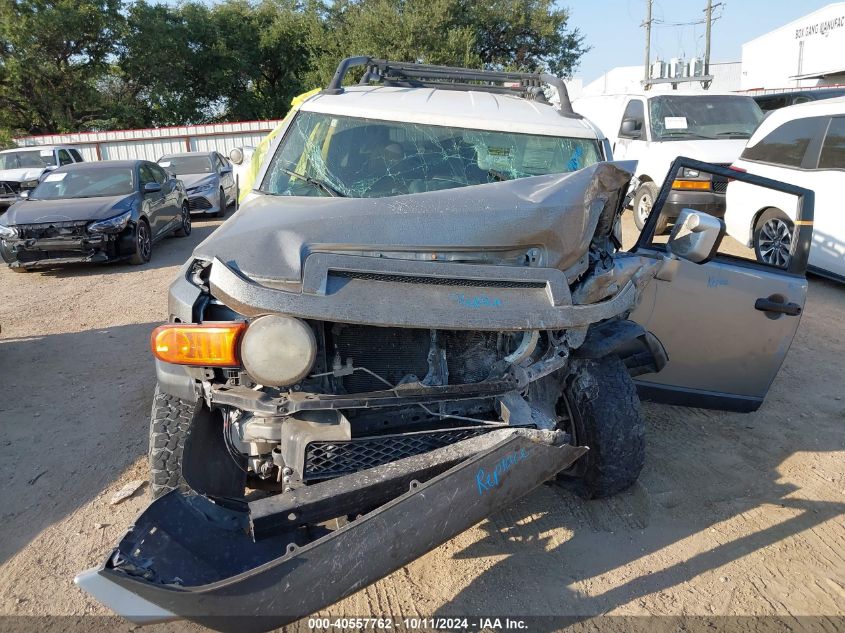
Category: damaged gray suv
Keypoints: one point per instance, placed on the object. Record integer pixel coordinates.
(422, 313)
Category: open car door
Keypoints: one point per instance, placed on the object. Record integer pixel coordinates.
(725, 319)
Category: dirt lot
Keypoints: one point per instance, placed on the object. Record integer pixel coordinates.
(733, 515)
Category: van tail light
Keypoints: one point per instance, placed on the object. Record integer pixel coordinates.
(206, 345)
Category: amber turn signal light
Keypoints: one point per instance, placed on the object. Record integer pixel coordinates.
(691, 184)
(206, 345)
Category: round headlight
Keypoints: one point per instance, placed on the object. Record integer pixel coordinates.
(278, 350)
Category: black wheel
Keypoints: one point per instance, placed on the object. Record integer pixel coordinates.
(170, 423)
(772, 238)
(143, 243)
(187, 438)
(221, 207)
(642, 204)
(600, 408)
(184, 229)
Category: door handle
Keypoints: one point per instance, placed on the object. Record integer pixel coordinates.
(765, 304)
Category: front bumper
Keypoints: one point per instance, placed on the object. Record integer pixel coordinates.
(51, 251)
(709, 202)
(205, 202)
(187, 557)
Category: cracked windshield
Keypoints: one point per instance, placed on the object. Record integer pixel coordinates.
(329, 155)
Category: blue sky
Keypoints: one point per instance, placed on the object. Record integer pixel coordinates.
(612, 28)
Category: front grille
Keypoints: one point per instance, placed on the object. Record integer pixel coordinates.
(27, 257)
(9, 188)
(439, 281)
(52, 229)
(720, 183)
(198, 204)
(395, 353)
(324, 460)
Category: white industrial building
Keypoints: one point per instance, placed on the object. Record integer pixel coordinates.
(153, 143)
(809, 51)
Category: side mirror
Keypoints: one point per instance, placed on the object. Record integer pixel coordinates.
(152, 187)
(696, 236)
(226, 170)
(23, 195)
(51, 167)
(632, 128)
(236, 156)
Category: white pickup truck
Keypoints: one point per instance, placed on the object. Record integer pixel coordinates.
(656, 128)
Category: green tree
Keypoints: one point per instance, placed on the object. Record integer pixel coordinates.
(54, 54)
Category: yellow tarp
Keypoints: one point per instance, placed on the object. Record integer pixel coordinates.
(264, 146)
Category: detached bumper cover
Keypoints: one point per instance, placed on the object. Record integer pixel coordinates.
(186, 557)
(372, 291)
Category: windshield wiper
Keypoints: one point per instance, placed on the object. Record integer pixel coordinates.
(683, 133)
(496, 174)
(315, 182)
(741, 133)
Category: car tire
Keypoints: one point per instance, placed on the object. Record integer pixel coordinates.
(142, 242)
(642, 204)
(221, 207)
(184, 229)
(170, 423)
(600, 409)
(772, 238)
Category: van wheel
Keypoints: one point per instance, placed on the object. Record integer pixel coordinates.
(643, 203)
(772, 238)
(599, 408)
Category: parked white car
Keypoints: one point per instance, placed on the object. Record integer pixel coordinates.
(655, 128)
(22, 169)
(803, 145)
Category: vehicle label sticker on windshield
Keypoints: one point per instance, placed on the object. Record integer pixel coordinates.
(46, 152)
(165, 163)
(55, 177)
(675, 122)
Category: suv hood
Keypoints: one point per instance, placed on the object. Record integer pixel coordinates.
(20, 175)
(270, 236)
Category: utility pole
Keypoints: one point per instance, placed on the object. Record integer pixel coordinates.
(647, 25)
(708, 19)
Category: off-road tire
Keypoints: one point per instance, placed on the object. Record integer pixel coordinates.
(170, 423)
(606, 417)
(647, 192)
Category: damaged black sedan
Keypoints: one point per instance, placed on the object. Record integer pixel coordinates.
(94, 212)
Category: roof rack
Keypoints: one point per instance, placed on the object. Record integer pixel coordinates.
(411, 75)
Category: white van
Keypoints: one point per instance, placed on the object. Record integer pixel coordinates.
(656, 128)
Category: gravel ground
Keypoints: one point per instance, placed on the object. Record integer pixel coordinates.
(734, 514)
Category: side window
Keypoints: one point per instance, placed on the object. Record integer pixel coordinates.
(218, 165)
(633, 120)
(147, 174)
(833, 150)
(787, 144)
(159, 174)
(77, 157)
(64, 157)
